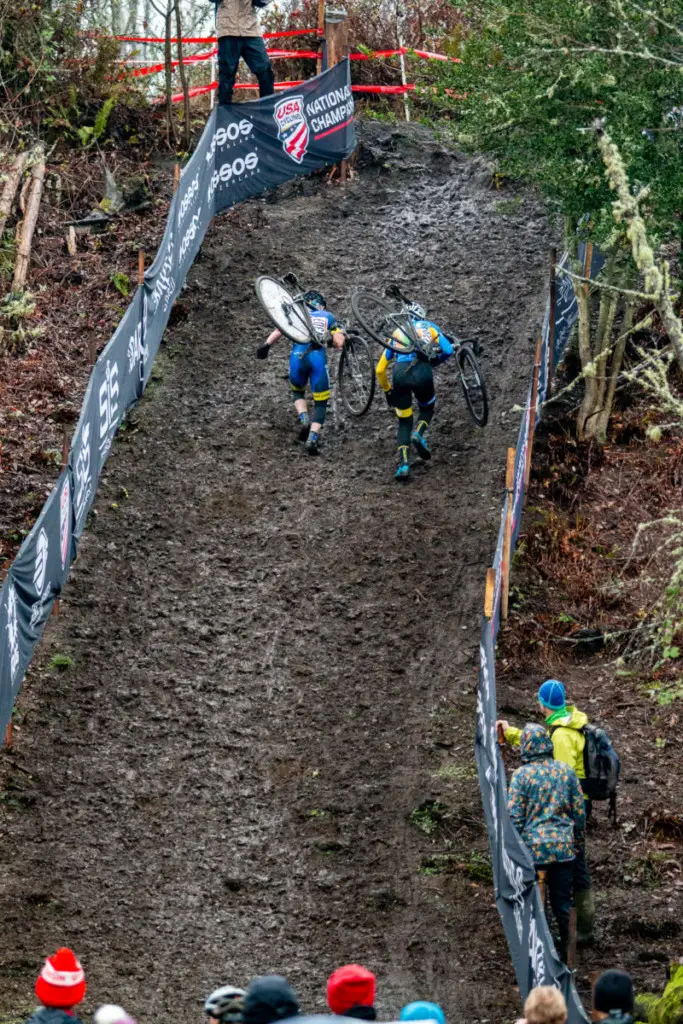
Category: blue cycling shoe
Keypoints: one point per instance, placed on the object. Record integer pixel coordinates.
(403, 471)
(420, 444)
(304, 426)
(313, 444)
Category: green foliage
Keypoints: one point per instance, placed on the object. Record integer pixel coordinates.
(428, 816)
(121, 283)
(669, 1008)
(88, 134)
(539, 75)
(61, 662)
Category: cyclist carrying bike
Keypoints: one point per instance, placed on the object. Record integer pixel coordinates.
(412, 375)
(308, 362)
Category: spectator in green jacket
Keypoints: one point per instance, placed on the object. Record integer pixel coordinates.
(546, 807)
(565, 724)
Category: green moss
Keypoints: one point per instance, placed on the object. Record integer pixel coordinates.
(669, 1008)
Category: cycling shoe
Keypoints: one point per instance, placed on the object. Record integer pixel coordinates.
(421, 446)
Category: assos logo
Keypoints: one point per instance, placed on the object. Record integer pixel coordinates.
(230, 171)
(83, 473)
(292, 127)
(188, 198)
(109, 406)
(12, 631)
(64, 520)
(230, 133)
(40, 566)
(189, 236)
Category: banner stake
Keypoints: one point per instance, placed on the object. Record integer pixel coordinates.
(9, 734)
(490, 592)
(176, 177)
(507, 536)
(141, 267)
(533, 408)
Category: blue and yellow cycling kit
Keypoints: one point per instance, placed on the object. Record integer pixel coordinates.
(308, 361)
(412, 375)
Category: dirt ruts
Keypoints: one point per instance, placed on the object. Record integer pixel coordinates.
(261, 757)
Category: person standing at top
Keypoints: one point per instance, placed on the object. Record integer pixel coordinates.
(546, 807)
(351, 992)
(565, 724)
(239, 35)
(60, 987)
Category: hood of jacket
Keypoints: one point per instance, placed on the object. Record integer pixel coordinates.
(535, 743)
(574, 719)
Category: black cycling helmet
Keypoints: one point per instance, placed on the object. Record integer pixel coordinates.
(316, 300)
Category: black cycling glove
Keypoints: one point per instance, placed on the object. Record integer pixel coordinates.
(263, 350)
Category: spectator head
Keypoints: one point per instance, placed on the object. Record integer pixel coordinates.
(226, 1004)
(613, 991)
(545, 1005)
(61, 983)
(351, 992)
(535, 743)
(111, 1014)
(551, 697)
(269, 999)
(423, 1011)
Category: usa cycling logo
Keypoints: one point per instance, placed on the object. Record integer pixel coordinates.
(292, 127)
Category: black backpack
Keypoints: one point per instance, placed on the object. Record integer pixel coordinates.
(602, 765)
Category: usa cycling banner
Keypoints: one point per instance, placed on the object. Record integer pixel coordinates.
(261, 144)
(243, 151)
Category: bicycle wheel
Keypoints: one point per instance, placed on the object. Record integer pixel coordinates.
(289, 315)
(381, 320)
(473, 386)
(356, 375)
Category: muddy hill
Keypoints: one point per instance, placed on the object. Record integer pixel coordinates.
(260, 754)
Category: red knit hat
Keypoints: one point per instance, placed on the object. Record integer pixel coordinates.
(61, 983)
(351, 985)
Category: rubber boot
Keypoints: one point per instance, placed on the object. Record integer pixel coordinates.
(585, 917)
(403, 470)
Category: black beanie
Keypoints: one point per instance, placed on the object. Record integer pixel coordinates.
(269, 999)
(613, 991)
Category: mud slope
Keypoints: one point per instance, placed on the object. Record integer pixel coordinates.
(273, 656)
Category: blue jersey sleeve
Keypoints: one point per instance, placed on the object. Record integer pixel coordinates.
(445, 346)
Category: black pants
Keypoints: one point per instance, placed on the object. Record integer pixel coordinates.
(582, 880)
(560, 888)
(408, 379)
(253, 50)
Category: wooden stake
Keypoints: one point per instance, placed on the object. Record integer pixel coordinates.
(532, 413)
(321, 27)
(336, 34)
(71, 240)
(542, 885)
(490, 592)
(92, 351)
(507, 536)
(500, 735)
(551, 323)
(176, 177)
(9, 735)
(28, 224)
(141, 267)
(10, 188)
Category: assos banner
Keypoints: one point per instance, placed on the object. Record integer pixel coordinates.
(243, 151)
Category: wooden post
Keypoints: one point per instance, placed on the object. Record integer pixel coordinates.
(490, 592)
(321, 28)
(542, 886)
(551, 323)
(500, 735)
(507, 536)
(336, 35)
(24, 233)
(9, 735)
(92, 350)
(141, 267)
(176, 178)
(532, 413)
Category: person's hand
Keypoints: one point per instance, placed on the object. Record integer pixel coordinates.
(263, 350)
(389, 395)
(502, 724)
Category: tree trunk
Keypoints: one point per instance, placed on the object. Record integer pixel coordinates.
(10, 188)
(183, 78)
(589, 406)
(602, 419)
(168, 58)
(28, 224)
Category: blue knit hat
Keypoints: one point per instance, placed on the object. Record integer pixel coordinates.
(423, 1011)
(552, 695)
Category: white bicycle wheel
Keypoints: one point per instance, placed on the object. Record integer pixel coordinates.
(289, 316)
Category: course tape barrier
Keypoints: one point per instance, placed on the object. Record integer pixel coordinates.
(381, 90)
(518, 901)
(289, 34)
(243, 151)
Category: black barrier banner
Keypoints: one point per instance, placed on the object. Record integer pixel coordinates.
(243, 151)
